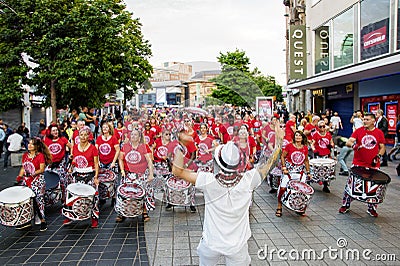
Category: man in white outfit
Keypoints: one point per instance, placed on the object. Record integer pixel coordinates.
(227, 194)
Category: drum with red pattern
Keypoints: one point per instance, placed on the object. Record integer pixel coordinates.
(106, 183)
(297, 196)
(130, 199)
(178, 191)
(367, 185)
(16, 205)
(79, 202)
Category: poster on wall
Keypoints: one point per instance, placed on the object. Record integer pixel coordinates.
(264, 107)
(373, 107)
(391, 115)
(375, 39)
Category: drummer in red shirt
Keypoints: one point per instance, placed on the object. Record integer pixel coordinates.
(290, 127)
(368, 144)
(322, 145)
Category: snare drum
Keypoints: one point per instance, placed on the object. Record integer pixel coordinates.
(106, 183)
(322, 169)
(367, 185)
(16, 205)
(79, 202)
(275, 176)
(178, 191)
(130, 198)
(297, 196)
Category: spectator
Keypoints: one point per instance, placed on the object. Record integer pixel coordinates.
(14, 144)
(2, 138)
(336, 123)
(356, 120)
(382, 124)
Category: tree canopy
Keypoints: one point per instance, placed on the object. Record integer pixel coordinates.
(240, 86)
(78, 51)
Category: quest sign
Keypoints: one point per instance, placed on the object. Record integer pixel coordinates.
(298, 52)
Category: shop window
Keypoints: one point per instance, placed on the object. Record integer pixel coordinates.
(322, 49)
(343, 32)
(374, 35)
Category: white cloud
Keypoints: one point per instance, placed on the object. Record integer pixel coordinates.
(190, 30)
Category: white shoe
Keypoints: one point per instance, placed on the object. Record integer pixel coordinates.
(37, 220)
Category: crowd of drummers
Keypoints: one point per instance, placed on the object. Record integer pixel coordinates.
(133, 155)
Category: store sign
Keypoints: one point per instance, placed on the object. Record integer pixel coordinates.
(264, 106)
(322, 49)
(373, 107)
(391, 115)
(374, 39)
(298, 52)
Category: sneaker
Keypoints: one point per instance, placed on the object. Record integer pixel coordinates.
(95, 223)
(43, 226)
(168, 207)
(119, 219)
(193, 209)
(372, 212)
(344, 173)
(37, 220)
(344, 209)
(23, 226)
(326, 189)
(272, 191)
(67, 221)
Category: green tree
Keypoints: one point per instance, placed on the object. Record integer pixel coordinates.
(238, 85)
(78, 50)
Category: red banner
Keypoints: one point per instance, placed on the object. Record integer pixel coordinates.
(391, 115)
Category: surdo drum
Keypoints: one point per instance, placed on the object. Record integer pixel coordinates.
(130, 199)
(367, 185)
(322, 169)
(178, 191)
(16, 205)
(106, 183)
(274, 178)
(53, 188)
(297, 196)
(79, 202)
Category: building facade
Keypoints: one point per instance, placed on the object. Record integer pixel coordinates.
(344, 55)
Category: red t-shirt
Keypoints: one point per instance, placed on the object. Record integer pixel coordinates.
(106, 149)
(57, 148)
(148, 137)
(30, 165)
(321, 143)
(160, 151)
(294, 155)
(370, 141)
(134, 159)
(84, 159)
(77, 140)
(269, 133)
(312, 128)
(203, 145)
(289, 133)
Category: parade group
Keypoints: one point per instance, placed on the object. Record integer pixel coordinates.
(130, 158)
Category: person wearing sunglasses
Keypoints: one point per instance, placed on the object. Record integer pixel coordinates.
(322, 145)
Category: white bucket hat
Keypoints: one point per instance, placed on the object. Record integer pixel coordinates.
(227, 157)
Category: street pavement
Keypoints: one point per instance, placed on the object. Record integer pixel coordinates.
(171, 237)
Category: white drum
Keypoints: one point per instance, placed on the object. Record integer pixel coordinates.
(322, 169)
(79, 202)
(178, 191)
(297, 196)
(130, 198)
(16, 205)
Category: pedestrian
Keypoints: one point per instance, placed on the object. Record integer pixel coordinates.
(31, 175)
(14, 144)
(383, 124)
(368, 143)
(396, 148)
(2, 138)
(336, 124)
(343, 154)
(227, 195)
(356, 120)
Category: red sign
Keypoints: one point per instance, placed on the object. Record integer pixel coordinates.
(391, 115)
(375, 37)
(373, 107)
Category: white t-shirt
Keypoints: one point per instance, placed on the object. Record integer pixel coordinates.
(335, 120)
(15, 142)
(226, 217)
(357, 123)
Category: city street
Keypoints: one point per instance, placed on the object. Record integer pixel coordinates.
(321, 237)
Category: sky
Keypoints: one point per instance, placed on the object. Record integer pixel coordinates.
(198, 30)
